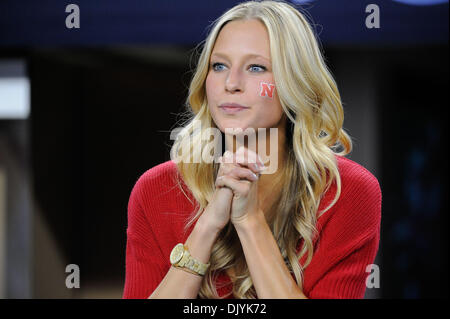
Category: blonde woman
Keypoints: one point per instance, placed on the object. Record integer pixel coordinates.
(297, 221)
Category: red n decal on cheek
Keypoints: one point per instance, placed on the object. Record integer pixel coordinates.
(266, 89)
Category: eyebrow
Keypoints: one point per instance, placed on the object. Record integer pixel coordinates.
(250, 55)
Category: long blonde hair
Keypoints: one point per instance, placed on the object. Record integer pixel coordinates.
(312, 104)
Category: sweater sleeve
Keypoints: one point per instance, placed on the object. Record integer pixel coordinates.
(145, 266)
(348, 241)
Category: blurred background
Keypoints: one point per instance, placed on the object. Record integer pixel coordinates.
(85, 111)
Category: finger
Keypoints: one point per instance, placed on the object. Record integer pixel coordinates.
(240, 160)
(232, 159)
(238, 187)
(238, 172)
(228, 157)
(228, 162)
(225, 167)
(251, 156)
(242, 173)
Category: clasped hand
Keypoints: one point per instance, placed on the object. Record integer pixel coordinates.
(240, 172)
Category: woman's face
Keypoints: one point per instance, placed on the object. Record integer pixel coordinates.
(241, 72)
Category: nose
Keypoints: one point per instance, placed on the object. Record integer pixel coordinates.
(234, 81)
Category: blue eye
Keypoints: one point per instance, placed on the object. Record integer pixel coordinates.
(216, 64)
(253, 67)
(258, 66)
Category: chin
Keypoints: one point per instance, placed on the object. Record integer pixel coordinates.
(233, 126)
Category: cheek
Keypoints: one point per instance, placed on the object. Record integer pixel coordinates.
(212, 85)
(208, 85)
(266, 90)
(270, 111)
(266, 94)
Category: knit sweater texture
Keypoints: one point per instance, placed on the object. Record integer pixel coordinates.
(347, 241)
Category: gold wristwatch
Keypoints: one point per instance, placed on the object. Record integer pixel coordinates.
(181, 258)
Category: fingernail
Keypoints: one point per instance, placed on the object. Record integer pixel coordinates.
(255, 176)
(261, 167)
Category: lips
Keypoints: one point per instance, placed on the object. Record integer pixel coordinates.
(231, 108)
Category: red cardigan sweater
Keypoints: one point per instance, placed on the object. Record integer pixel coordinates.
(347, 242)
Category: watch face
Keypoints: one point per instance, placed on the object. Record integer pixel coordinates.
(176, 254)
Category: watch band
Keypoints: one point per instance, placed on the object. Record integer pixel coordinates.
(187, 262)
